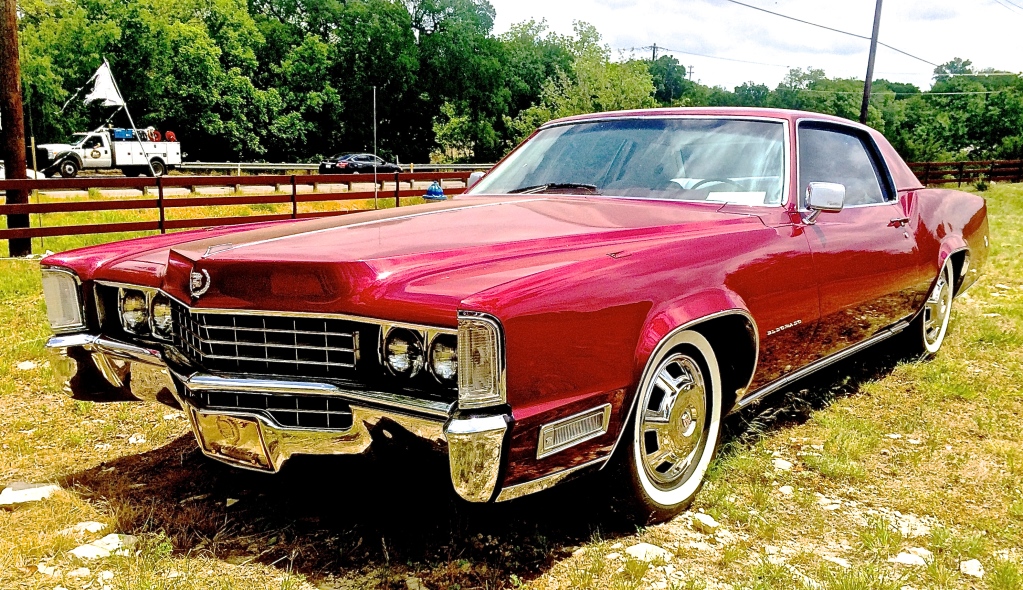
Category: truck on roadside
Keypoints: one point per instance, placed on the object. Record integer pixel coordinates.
(133, 151)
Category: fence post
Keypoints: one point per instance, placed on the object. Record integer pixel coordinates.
(962, 169)
(294, 198)
(927, 174)
(1019, 171)
(991, 171)
(397, 191)
(159, 202)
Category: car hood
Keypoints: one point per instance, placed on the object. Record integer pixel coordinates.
(56, 147)
(412, 264)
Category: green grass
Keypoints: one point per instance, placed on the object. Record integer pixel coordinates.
(360, 524)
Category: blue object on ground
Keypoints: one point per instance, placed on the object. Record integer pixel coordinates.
(435, 193)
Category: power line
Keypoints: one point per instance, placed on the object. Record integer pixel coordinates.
(925, 93)
(806, 22)
(745, 61)
(1006, 5)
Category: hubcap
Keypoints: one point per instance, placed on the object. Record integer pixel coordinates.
(673, 420)
(936, 310)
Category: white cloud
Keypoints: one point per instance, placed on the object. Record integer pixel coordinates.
(984, 31)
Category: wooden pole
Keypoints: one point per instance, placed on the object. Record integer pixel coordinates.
(12, 120)
(870, 64)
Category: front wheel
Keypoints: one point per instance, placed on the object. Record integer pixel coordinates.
(158, 168)
(675, 428)
(69, 168)
(927, 331)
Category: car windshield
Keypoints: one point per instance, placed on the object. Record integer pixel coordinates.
(723, 160)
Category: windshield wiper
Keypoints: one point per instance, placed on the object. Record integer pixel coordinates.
(539, 188)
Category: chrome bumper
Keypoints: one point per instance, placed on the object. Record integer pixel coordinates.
(252, 440)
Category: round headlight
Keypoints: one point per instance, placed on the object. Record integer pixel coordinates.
(134, 311)
(403, 353)
(163, 323)
(444, 359)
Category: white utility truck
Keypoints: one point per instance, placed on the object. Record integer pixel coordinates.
(108, 147)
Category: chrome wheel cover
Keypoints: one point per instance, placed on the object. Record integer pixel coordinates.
(673, 421)
(936, 311)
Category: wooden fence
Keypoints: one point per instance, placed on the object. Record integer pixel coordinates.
(285, 191)
(934, 173)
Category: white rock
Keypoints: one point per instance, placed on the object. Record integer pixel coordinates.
(81, 572)
(231, 502)
(839, 561)
(173, 416)
(102, 446)
(647, 552)
(21, 493)
(113, 542)
(415, 584)
(785, 490)
(106, 575)
(782, 464)
(705, 523)
(618, 545)
(27, 365)
(771, 549)
(46, 570)
(613, 556)
(894, 436)
(136, 439)
(972, 568)
(173, 574)
(701, 546)
(87, 526)
(905, 558)
(89, 551)
(922, 553)
(913, 441)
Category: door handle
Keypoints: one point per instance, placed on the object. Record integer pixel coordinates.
(898, 222)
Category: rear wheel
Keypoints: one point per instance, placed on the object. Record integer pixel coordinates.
(158, 168)
(69, 168)
(927, 332)
(675, 429)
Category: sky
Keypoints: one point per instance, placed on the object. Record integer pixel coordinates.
(987, 32)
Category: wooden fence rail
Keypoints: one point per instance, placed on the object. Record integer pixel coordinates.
(934, 173)
(285, 187)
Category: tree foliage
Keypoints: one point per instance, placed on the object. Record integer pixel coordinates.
(293, 80)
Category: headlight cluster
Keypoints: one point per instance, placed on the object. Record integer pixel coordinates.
(481, 377)
(63, 300)
(406, 353)
(145, 312)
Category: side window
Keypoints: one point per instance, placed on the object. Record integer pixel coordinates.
(832, 155)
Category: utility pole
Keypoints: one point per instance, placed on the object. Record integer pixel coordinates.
(690, 73)
(655, 53)
(870, 64)
(12, 120)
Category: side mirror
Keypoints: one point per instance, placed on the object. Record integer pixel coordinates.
(824, 197)
(473, 179)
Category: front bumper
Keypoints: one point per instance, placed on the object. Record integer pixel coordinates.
(252, 439)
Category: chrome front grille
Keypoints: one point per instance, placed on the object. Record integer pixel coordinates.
(265, 344)
(293, 411)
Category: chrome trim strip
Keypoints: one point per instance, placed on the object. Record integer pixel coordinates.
(110, 348)
(671, 334)
(798, 374)
(83, 324)
(289, 314)
(204, 382)
(542, 450)
(548, 481)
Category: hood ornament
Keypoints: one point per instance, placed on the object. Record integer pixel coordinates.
(198, 283)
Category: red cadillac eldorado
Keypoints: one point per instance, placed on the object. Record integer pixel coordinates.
(599, 301)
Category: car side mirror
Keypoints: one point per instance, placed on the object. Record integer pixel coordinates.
(473, 179)
(824, 197)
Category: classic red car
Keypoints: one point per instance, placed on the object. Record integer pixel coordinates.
(599, 300)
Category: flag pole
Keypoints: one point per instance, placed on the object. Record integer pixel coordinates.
(376, 186)
(134, 131)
